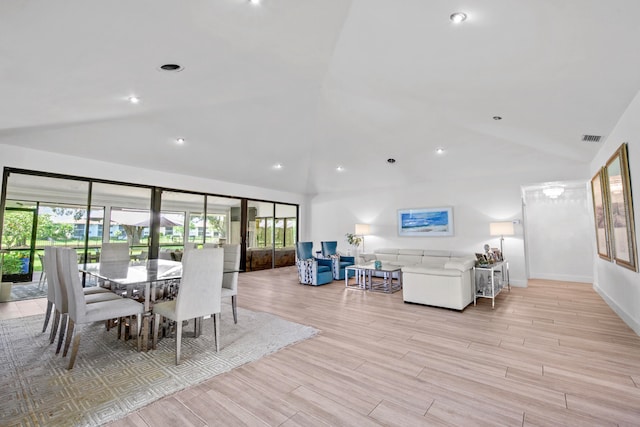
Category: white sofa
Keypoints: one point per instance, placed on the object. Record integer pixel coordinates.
(431, 277)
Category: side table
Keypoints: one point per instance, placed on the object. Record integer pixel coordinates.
(491, 289)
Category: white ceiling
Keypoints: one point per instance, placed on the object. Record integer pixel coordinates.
(314, 84)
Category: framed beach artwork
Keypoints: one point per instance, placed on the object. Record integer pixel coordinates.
(425, 222)
(601, 214)
(620, 209)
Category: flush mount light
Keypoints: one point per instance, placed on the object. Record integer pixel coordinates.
(134, 100)
(553, 192)
(458, 17)
(497, 118)
(179, 141)
(440, 151)
(340, 169)
(171, 67)
(278, 166)
(255, 2)
(391, 161)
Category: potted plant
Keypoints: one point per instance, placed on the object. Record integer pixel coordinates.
(354, 241)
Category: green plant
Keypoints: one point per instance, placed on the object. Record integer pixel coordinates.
(353, 240)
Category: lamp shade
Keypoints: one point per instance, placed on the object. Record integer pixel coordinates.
(504, 228)
(362, 229)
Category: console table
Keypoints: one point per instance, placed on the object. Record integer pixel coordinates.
(491, 288)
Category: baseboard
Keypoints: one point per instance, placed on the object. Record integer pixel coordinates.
(518, 283)
(563, 277)
(618, 310)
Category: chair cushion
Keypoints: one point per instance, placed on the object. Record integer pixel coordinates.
(110, 309)
(166, 309)
(345, 264)
(323, 268)
(226, 292)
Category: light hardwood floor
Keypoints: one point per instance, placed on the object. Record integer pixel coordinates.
(550, 354)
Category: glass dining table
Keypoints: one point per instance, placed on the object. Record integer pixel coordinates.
(144, 281)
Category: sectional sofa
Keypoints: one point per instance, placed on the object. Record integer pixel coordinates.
(431, 277)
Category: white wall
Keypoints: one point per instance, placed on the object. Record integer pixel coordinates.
(475, 205)
(16, 157)
(619, 286)
(559, 232)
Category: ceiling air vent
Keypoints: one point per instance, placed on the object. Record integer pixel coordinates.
(591, 138)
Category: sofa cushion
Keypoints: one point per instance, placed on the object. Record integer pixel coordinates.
(418, 252)
(386, 251)
(436, 253)
(386, 257)
(409, 259)
(434, 261)
(461, 264)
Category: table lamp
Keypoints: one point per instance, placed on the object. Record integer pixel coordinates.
(362, 230)
(504, 228)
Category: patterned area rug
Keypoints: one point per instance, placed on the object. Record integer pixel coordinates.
(110, 378)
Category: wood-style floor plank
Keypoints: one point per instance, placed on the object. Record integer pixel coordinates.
(550, 354)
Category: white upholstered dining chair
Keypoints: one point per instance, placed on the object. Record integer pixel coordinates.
(199, 294)
(230, 279)
(60, 301)
(80, 313)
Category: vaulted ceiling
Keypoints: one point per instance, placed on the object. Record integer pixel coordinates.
(317, 84)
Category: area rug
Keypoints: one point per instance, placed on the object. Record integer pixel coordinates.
(110, 378)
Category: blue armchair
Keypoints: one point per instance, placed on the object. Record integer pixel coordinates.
(312, 271)
(338, 262)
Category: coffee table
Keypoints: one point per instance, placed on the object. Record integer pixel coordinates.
(364, 274)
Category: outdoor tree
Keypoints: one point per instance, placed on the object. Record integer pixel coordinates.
(47, 229)
(17, 229)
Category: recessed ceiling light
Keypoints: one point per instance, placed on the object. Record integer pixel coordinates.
(497, 118)
(134, 100)
(391, 161)
(340, 169)
(458, 17)
(440, 150)
(255, 2)
(180, 141)
(171, 67)
(278, 166)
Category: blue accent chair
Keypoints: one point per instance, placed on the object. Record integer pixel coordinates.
(312, 271)
(338, 262)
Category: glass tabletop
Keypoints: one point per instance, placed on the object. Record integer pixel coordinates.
(129, 273)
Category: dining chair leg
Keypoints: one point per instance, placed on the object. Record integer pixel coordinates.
(67, 342)
(74, 350)
(178, 340)
(216, 330)
(234, 303)
(47, 315)
(156, 326)
(54, 327)
(139, 331)
(63, 325)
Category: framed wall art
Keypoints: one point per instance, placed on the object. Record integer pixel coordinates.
(620, 209)
(425, 222)
(601, 214)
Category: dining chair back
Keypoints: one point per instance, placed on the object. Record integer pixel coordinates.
(114, 260)
(230, 278)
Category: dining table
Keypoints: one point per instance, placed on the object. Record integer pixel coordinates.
(143, 281)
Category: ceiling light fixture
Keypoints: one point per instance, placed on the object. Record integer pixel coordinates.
(180, 141)
(134, 100)
(391, 161)
(497, 118)
(171, 67)
(458, 17)
(553, 192)
(440, 150)
(278, 166)
(340, 169)
(255, 2)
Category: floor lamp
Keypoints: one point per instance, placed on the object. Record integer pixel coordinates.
(504, 228)
(362, 230)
